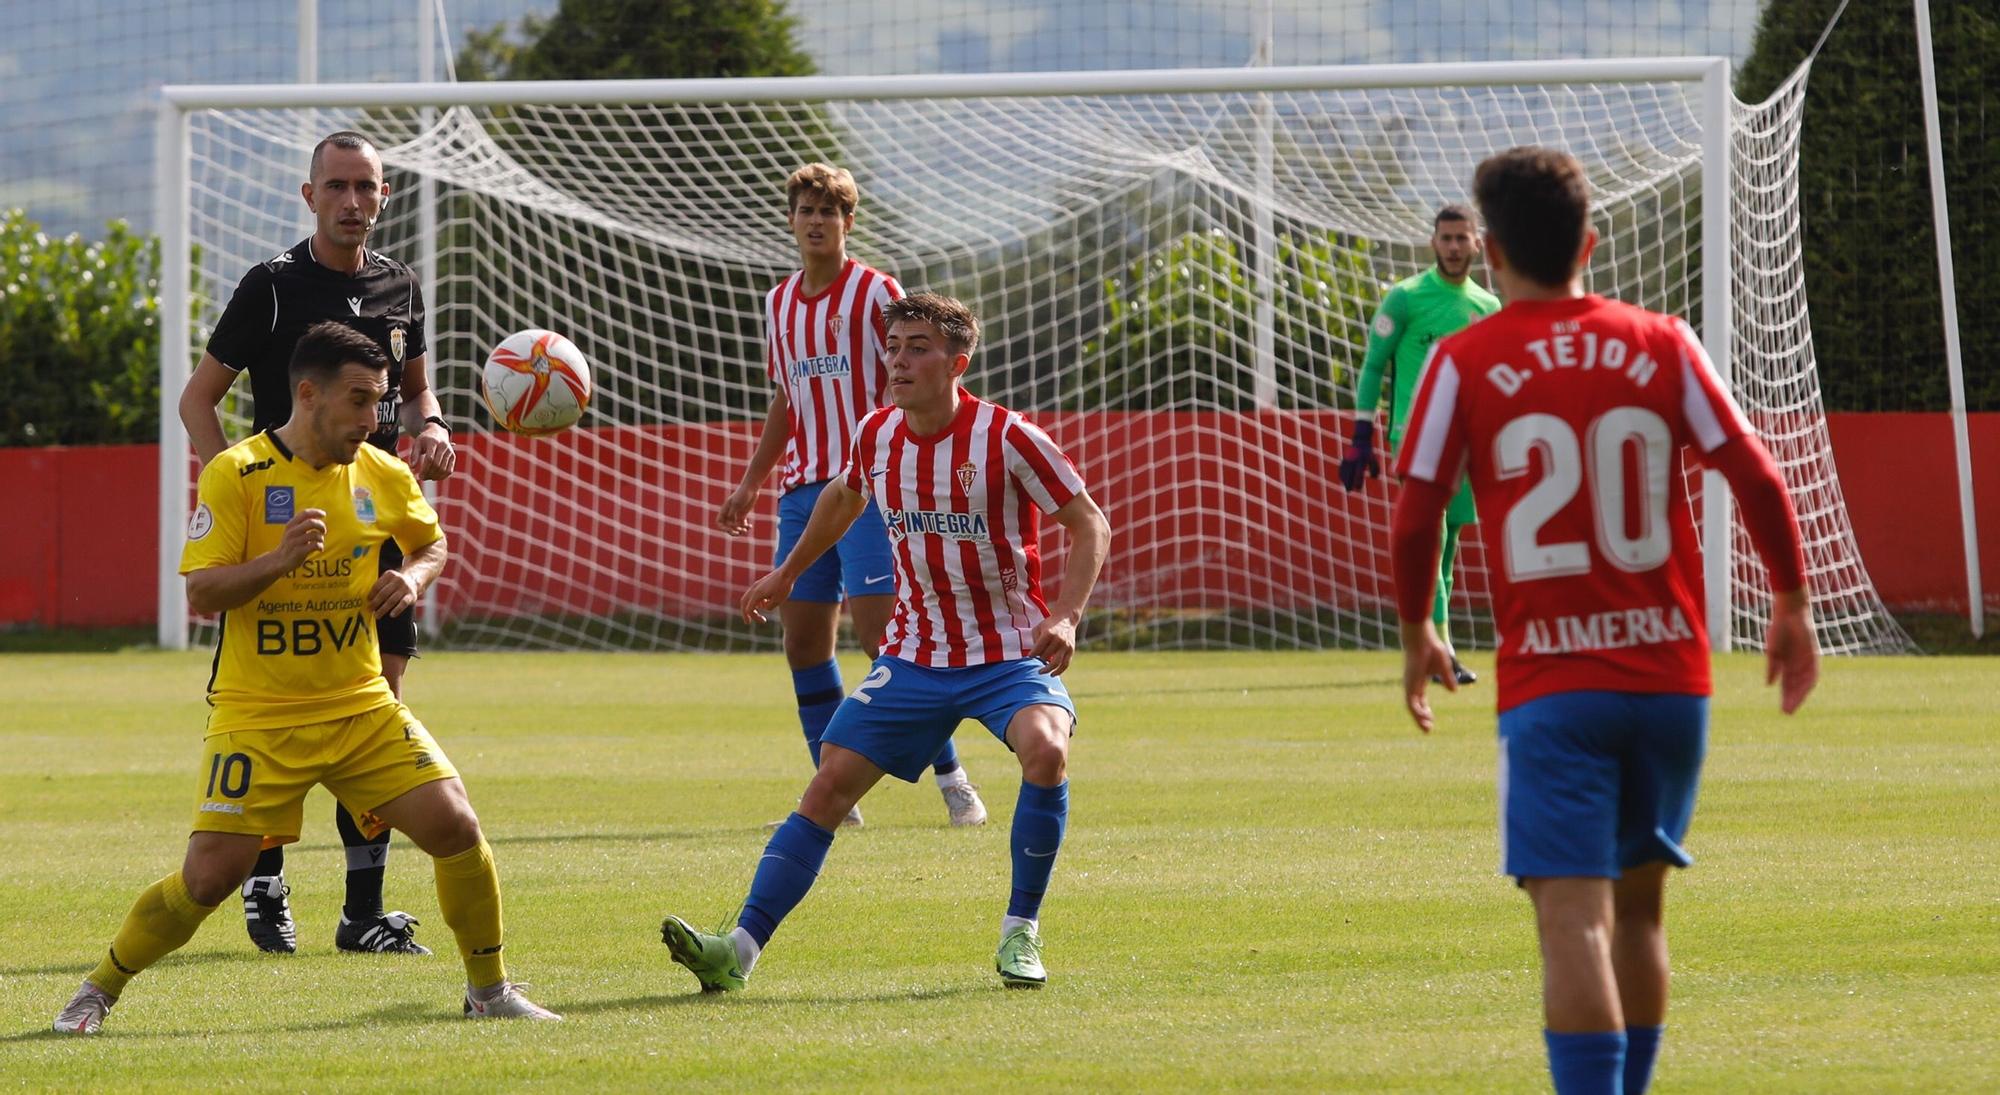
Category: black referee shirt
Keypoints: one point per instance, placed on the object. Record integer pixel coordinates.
(277, 300)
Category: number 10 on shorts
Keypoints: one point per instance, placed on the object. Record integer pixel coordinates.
(231, 774)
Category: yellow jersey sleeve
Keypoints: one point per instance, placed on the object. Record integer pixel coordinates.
(217, 529)
(408, 516)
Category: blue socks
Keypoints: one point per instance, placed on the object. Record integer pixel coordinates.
(947, 759)
(1642, 1046)
(790, 865)
(1587, 1064)
(1604, 1064)
(819, 694)
(1040, 816)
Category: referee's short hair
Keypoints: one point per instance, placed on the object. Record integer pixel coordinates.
(346, 138)
(326, 346)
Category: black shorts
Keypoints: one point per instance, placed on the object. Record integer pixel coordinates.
(397, 634)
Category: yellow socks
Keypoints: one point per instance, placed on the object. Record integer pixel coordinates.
(469, 896)
(161, 922)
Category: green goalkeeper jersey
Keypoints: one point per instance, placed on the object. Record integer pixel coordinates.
(1416, 313)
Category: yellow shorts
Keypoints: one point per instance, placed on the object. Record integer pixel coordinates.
(254, 782)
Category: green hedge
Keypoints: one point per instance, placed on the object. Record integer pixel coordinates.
(79, 336)
(1864, 193)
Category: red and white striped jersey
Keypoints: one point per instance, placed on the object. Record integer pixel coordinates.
(963, 509)
(1569, 417)
(825, 352)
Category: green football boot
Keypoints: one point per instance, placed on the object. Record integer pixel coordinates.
(1020, 959)
(711, 957)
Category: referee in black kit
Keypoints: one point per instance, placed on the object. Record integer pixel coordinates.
(331, 275)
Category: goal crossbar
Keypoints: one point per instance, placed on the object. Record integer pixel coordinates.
(1196, 81)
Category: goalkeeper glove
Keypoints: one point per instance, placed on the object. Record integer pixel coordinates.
(1360, 455)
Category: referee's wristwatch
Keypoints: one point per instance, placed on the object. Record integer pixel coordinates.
(441, 423)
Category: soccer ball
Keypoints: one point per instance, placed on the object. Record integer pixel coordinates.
(536, 383)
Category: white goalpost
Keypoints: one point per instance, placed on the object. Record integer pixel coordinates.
(1175, 269)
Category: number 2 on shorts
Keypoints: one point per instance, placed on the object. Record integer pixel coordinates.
(876, 678)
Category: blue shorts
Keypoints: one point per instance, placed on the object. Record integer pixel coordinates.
(902, 713)
(1592, 783)
(859, 564)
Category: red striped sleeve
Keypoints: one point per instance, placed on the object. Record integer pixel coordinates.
(1433, 443)
(1417, 531)
(892, 290)
(1707, 411)
(1766, 508)
(1028, 517)
(866, 436)
(771, 336)
(1042, 469)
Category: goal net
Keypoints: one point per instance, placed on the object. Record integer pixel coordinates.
(1175, 270)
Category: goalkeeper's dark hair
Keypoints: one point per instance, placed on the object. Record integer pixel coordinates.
(1536, 204)
(949, 317)
(328, 345)
(1455, 211)
(347, 139)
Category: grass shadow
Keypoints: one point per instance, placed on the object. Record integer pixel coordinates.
(416, 1014)
(247, 954)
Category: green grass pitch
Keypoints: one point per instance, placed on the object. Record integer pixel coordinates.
(1271, 881)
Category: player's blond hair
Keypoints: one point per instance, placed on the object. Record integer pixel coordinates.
(822, 179)
(948, 316)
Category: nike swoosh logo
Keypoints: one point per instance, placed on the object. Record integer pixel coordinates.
(876, 581)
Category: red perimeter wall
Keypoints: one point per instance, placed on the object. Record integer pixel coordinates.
(79, 549)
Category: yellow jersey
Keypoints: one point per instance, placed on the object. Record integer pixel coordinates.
(304, 650)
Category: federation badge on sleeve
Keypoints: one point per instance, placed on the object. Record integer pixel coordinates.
(200, 521)
(396, 344)
(1384, 326)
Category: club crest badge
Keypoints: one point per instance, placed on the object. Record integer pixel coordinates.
(835, 325)
(967, 472)
(396, 344)
(364, 506)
